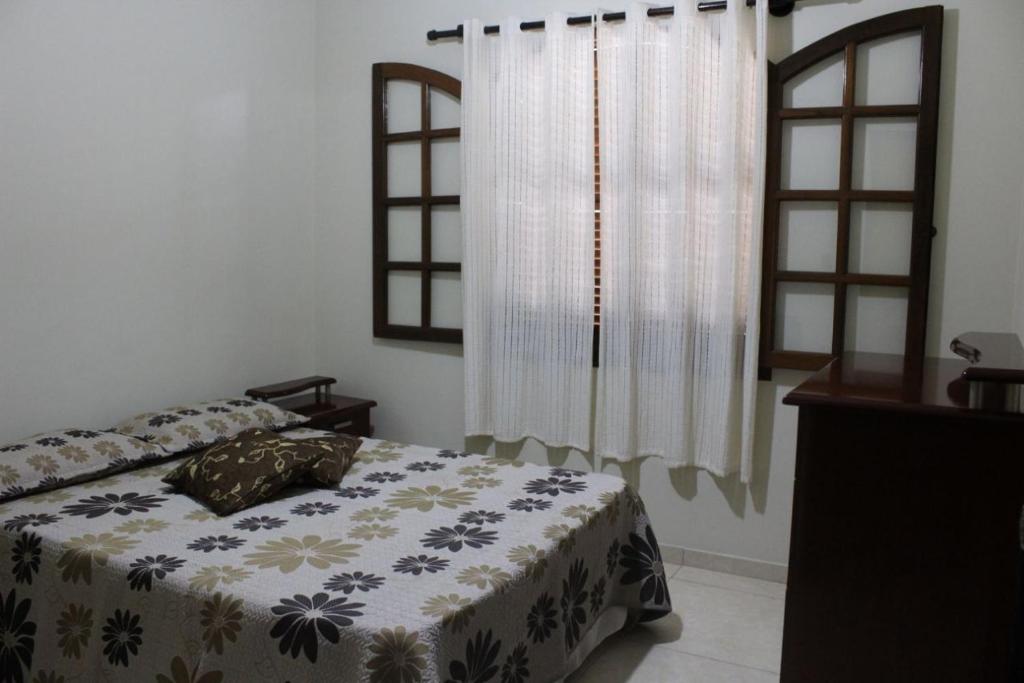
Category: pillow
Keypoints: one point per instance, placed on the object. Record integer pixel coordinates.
(255, 464)
(192, 427)
(339, 453)
(243, 471)
(55, 459)
(335, 455)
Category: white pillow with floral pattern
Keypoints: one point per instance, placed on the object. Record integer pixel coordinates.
(55, 459)
(192, 427)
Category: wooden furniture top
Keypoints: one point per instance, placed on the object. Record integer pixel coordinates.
(294, 386)
(887, 382)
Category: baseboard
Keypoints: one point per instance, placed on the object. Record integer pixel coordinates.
(727, 564)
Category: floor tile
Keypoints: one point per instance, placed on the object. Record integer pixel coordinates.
(672, 569)
(730, 581)
(626, 658)
(722, 624)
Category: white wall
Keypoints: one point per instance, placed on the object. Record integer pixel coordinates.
(156, 176)
(419, 386)
(181, 181)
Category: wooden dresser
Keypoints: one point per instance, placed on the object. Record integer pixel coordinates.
(905, 555)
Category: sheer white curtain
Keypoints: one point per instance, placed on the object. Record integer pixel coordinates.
(682, 105)
(528, 231)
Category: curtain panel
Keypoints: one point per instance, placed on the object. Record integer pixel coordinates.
(528, 231)
(681, 110)
(682, 105)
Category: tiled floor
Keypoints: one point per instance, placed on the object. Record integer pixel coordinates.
(725, 629)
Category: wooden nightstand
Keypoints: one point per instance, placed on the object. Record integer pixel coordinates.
(342, 414)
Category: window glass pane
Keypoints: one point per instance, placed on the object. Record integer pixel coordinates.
(404, 298)
(810, 155)
(404, 169)
(445, 110)
(889, 70)
(819, 86)
(445, 167)
(403, 106)
(807, 236)
(880, 238)
(884, 152)
(876, 319)
(446, 300)
(803, 319)
(405, 230)
(446, 234)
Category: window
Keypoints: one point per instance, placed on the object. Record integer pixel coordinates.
(850, 190)
(409, 212)
(416, 253)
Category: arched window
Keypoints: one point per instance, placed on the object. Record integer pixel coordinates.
(850, 190)
(417, 291)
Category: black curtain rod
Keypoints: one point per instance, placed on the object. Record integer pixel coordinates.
(778, 8)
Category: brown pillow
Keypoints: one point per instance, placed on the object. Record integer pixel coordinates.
(335, 456)
(249, 468)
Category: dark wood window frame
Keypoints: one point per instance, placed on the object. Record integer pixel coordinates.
(382, 266)
(927, 21)
(427, 79)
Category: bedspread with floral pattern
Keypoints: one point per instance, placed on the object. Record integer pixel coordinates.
(422, 565)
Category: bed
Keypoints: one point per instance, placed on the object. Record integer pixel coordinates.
(422, 565)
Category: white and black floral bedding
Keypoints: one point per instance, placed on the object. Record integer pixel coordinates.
(423, 565)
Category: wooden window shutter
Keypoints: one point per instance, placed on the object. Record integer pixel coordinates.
(851, 118)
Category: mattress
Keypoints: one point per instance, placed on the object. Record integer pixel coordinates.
(423, 565)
